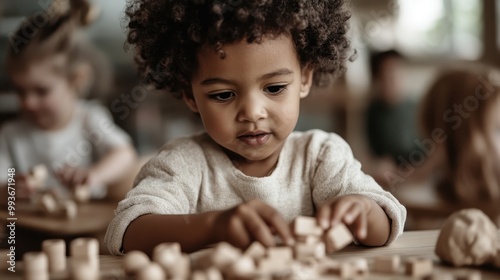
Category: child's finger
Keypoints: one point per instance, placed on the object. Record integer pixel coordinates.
(359, 225)
(323, 216)
(338, 212)
(275, 220)
(238, 235)
(354, 211)
(258, 228)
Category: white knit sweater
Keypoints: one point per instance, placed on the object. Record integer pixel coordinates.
(193, 175)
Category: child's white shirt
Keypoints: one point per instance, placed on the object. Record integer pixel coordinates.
(89, 135)
(193, 175)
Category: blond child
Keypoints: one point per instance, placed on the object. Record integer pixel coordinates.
(75, 139)
(244, 66)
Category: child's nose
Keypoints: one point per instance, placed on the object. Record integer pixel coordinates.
(252, 109)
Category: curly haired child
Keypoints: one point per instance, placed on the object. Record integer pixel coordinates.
(244, 66)
(462, 106)
(49, 66)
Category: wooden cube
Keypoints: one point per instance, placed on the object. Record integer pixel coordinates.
(282, 253)
(256, 250)
(337, 238)
(55, 249)
(134, 261)
(304, 251)
(305, 226)
(36, 266)
(87, 250)
(467, 275)
(151, 272)
(387, 264)
(419, 267)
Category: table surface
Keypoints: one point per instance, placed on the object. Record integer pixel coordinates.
(412, 243)
(92, 217)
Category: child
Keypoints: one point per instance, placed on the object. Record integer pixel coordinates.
(243, 67)
(462, 107)
(77, 140)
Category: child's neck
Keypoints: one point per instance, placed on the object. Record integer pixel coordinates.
(261, 168)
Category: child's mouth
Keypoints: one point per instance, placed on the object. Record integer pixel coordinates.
(255, 139)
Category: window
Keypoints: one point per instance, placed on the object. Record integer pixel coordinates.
(440, 28)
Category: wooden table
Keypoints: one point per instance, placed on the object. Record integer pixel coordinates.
(92, 217)
(413, 243)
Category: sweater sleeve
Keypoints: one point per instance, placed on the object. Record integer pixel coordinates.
(337, 173)
(168, 184)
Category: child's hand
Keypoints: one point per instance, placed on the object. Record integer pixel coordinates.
(251, 221)
(75, 176)
(24, 187)
(351, 210)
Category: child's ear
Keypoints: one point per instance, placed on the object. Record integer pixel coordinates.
(190, 102)
(306, 80)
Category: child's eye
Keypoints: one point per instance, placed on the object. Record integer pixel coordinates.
(275, 90)
(222, 96)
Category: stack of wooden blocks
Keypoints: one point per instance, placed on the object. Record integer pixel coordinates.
(48, 203)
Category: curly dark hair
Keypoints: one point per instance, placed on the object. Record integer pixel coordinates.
(166, 34)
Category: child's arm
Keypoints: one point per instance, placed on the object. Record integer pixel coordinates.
(115, 164)
(364, 217)
(240, 225)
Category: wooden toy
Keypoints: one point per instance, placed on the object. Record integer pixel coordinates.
(387, 264)
(305, 250)
(55, 249)
(135, 261)
(83, 270)
(152, 271)
(310, 239)
(467, 275)
(306, 226)
(37, 177)
(81, 193)
(242, 267)
(36, 266)
(220, 257)
(85, 250)
(256, 251)
(418, 267)
(337, 238)
(282, 253)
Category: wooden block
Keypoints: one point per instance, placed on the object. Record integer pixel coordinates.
(81, 193)
(36, 266)
(282, 253)
(48, 203)
(135, 261)
(337, 238)
(40, 172)
(329, 267)
(269, 266)
(199, 275)
(70, 209)
(181, 269)
(419, 267)
(167, 253)
(213, 274)
(86, 249)
(221, 256)
(387, 264)
(256, 250)
(360, 266)
(303, 250)
(305, 226)
(152, 271)
(55, 249)
(83, 270)
(242, 267)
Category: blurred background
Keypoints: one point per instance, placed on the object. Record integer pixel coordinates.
(421, 37)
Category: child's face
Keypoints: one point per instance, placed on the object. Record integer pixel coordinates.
(249, 101)
(46, 97)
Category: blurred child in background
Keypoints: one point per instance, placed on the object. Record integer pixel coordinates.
(463, 108)
(76, 140)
